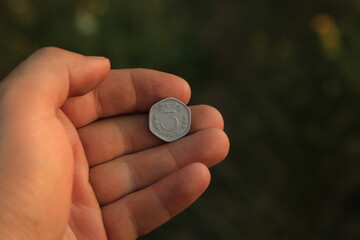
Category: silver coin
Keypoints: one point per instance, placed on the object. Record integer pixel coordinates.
(169, 119)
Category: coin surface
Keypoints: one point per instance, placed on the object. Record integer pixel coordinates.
(169, 119)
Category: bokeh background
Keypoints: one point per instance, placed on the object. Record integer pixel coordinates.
(285, 74)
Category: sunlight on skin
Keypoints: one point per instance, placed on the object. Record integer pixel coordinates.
(52, 118)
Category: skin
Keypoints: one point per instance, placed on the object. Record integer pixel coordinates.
(77, 160)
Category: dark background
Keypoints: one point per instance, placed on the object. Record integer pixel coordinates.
(285, 75)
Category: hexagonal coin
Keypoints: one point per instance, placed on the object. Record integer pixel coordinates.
(169, 119)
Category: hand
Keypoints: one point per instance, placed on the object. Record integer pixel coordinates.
(77, 160)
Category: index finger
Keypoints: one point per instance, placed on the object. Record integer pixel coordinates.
(125, 91)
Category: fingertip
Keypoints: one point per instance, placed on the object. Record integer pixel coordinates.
(185, 88)
(103, 61)
(183, 187)
(200, 178)
(100, 58)
(224, 142)
(217, 116)
(205, 116)
(214, 145)
(161, 84)
(181, 87)
(100, 68)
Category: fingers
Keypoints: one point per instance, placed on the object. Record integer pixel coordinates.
(113, 137)
(125, 91)
(50, 75)
(145, 210)
(115, 179)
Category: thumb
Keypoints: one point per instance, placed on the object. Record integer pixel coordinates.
(50, 75)
(36, 157)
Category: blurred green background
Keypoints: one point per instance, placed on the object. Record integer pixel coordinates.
(285, 75)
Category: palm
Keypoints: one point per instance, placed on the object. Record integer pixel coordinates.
(85, 217)
(136, 180)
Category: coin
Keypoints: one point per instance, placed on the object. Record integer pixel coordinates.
(169, 119)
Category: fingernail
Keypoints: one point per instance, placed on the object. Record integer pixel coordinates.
(97, 57)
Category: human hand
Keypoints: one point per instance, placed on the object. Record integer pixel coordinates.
(77, 160)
